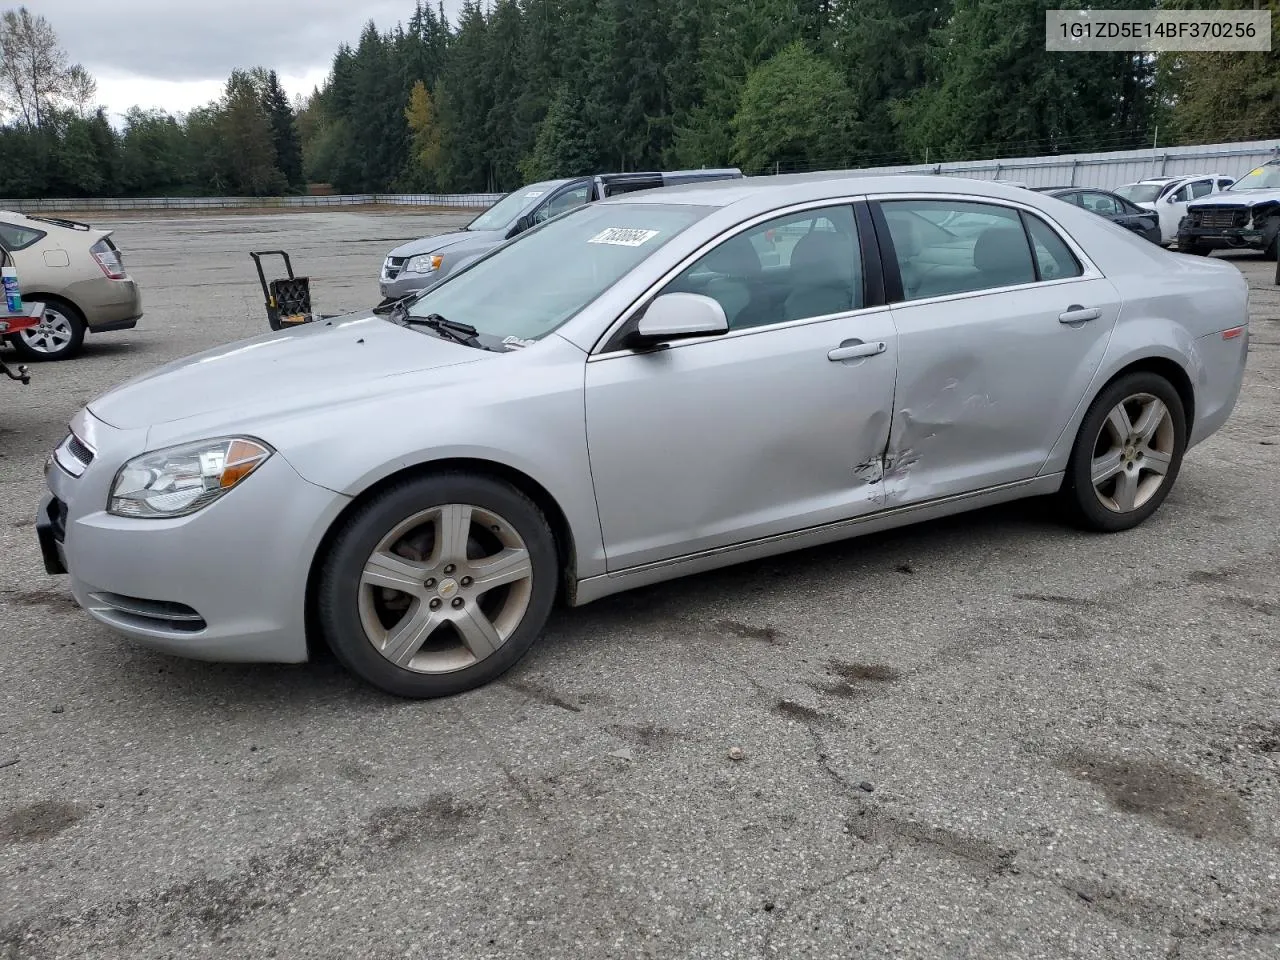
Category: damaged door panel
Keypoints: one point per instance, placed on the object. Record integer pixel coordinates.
(998, 341)
(986, 385)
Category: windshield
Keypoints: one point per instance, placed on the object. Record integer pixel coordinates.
(511, 206)
(528, 288)
(1141, 192)
(1266, 177)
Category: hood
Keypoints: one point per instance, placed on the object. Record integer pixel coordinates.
(317, 364)
(1237, 198)
(461, 241)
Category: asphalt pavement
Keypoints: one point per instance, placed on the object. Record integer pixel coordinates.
(989, 737)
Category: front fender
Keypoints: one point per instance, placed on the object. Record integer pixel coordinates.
(529, 418)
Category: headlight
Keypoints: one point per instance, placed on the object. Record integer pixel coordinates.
(182, 480)
(424, 263)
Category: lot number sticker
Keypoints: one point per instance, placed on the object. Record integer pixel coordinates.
(624, 236)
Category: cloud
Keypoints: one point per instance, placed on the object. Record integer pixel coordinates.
(158, 51)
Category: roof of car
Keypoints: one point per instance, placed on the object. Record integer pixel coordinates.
(722, 193)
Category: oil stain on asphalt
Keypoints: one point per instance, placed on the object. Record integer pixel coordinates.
(1166, 794)
(39, 821)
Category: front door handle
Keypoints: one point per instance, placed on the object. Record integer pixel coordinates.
(1078, 314)
(854, 349)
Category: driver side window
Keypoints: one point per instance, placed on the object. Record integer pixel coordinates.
(562, 202)
(794, 267)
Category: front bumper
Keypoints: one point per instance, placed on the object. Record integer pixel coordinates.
(226, 583)
(407, 283)
(1224, 236)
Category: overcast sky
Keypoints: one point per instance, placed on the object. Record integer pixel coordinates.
(176, 54)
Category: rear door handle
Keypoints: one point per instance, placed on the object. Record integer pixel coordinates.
(1078, 314)
(855, 349)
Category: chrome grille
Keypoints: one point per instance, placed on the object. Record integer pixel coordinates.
(1218, 217)
(393, 266)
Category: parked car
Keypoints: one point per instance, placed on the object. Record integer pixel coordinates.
(1115, 208)
(79, 275)
(1246, 216)
(421, 264)
(1168, 197)
(627, 394)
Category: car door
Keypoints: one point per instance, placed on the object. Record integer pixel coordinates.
(1174, 206)
(995, 352)
(778, 425)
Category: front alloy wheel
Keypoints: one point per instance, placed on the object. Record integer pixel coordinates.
(445, 589)
(439, 585)
(1127, 453)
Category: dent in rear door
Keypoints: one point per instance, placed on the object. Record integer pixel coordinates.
(988, 380)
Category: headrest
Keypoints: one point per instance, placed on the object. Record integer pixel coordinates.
(824, 255)
(735, 257)
(1001, 250)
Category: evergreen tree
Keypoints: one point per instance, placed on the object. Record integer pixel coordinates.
(423, 170)
(246, 130)
(882, 47)
(796, 114)
(284, 133)
(739, 36)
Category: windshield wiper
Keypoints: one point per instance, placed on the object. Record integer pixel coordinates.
(398, 307)
(462, 333)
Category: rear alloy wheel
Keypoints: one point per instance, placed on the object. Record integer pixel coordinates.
(58, 335)
(438, 586)
(1127, 454)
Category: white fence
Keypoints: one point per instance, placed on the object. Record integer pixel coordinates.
(1108, 170)
(478, 200)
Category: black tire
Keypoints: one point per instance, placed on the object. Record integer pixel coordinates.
(68, 319)
(1193, 247)
(1082, 502)
(338, 594)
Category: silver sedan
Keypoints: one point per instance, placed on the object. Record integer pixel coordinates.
(639, 389)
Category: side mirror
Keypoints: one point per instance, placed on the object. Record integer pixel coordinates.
(523, 224)
(678, 316)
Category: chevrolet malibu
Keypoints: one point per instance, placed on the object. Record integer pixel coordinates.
(636, 390)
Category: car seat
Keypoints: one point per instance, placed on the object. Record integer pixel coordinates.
(737, 268)
(823, 276)
(1002, 257)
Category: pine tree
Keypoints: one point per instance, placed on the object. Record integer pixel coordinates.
(284, 133)
(423, 169)
(246, 130)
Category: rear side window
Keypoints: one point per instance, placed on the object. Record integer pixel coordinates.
(987, 249)
(18, 238)
(1100, 204)
(1201, 189)
(1054, 259)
